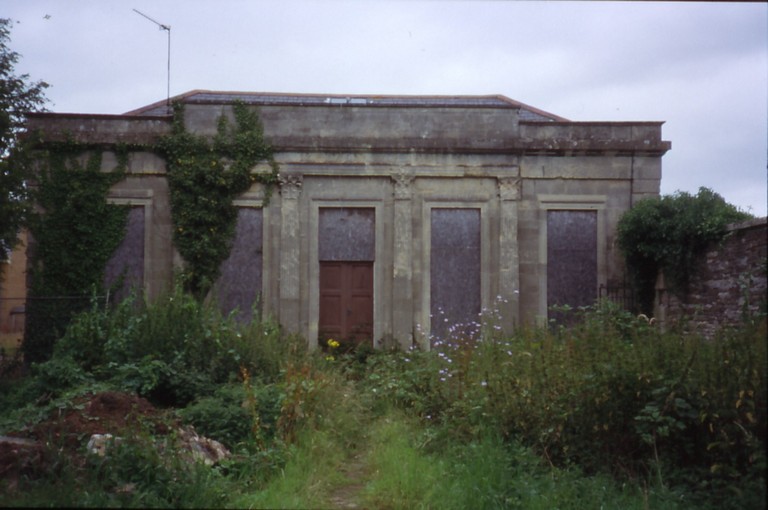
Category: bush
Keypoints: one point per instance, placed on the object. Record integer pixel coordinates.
(172, 350)
(54, 377)
(669, 234)
(222, 416)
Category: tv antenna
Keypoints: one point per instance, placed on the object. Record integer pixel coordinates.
(167, 28)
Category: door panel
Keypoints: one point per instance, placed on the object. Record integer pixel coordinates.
(330, 276)
(346, 302)
(361, 277)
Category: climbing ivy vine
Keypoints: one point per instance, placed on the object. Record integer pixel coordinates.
(76, 231)
(205, 175)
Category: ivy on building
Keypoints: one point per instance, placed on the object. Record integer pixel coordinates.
(205, 176)
(76, 231)
(670, 234)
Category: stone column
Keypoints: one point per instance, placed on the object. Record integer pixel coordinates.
(290, 250)
(402, 276)
(509, 270)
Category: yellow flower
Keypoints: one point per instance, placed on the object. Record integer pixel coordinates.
(333, 344)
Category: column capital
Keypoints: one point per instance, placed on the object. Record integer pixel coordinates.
(290, 186)
(403, 181)
(510, 188)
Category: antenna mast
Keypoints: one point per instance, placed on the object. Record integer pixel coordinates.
(167, 28)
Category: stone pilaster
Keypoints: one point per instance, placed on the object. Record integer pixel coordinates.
(290, 250)
(402, 277)
(509, 270)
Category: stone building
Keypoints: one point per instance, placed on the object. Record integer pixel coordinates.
(395, 215)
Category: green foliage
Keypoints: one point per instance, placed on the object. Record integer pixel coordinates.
(408, 476)
(172, 350)
(670, 234)
(608, 412)
(610, 394)
(310, 471)
(204, 177)
(17, 97)
(222, 416)
(75, 233)
(58, 375)
(318, 397)
(491, 473)
(77, 230)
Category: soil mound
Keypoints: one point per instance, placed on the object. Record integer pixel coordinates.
(67, 430)
(109, 412)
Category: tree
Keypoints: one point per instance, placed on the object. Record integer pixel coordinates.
(670, 234)
(18, 95)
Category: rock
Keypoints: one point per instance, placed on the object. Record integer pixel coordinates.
(198, 448)
(17, 441)
(202, 448)
(98, 443)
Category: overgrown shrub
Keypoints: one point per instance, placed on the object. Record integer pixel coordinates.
(57, 375)
(173, 350)
(222, 416)
(669, 234)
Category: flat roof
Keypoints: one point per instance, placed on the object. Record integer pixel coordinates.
(373, 100)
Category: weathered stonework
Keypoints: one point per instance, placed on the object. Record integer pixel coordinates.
(728, 286)
(499, 164)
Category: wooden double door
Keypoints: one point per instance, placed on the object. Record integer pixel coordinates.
(346, 302)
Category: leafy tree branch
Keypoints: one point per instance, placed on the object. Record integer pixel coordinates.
(18, 95)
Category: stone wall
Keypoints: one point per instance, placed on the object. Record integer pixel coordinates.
(728, 284)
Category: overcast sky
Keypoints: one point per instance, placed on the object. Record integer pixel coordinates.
(700, 67)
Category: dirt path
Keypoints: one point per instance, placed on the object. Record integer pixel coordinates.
(348, 494)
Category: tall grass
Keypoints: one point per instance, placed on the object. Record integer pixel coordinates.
(612, 394)
(607, 413)
(402, 476)
(323, 423)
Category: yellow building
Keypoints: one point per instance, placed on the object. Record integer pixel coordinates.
(13, 294)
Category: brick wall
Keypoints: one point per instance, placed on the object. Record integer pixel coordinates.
(729, 281)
